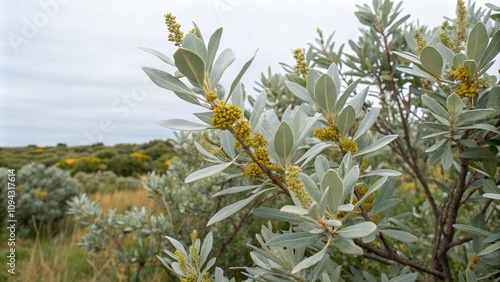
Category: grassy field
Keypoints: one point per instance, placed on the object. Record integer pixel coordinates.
(57, 257)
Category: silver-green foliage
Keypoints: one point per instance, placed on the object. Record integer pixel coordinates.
(330, 216)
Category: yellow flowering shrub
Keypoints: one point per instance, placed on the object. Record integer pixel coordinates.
(225, 115)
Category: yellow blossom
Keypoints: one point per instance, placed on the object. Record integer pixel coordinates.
(261, 155)
(225, 116)
(257, 140)
(444, 38)
(329, 133)
(296, 186)
(301, 68)
(468, 86)
(252, 170)
(211, 97)
(174, 29)
(348, 145)
(242, 130)
(40, 195)
(181, 259)
(420, 42)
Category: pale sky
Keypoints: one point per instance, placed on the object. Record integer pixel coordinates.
(70, 70)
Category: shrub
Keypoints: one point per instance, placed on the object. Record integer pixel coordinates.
(125, 165)
(42, 193)
(436, 106)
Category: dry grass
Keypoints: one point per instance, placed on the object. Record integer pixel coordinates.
(124, 200)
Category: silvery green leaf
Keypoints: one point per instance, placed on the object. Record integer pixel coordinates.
(382, 172)
(349, 181)
(454, 105)
(169, 82)
(358, 230)
(312, 77)
(209, 264)
(206, 247)
(240, 75)
(213, 46)
(227, 142)
(383, 206)
(347, 246)
(435, 107)
(274, 214)
(399, 235)
(181, 124)
(258, 109)
(367, 122)
(380, 143)
(325, 93)
(283, 141)
(310, 261)
(409, 277)
(204, 151)
(198, 32)
(369, 238)
(490, 249)
(238, 98)
(491, 51)
(333, 72)
(471, 116)
(333, 223)
(345, 208)
(441, 119)
(477, 42)
(343, 98)
(321, 165)
(346, 120)
(482, 126)
(432, 61)
(415, 71)
(177, 245)
(223, 61)
(177, 268)
(445, 52)
(312, 153)
(436, 146)
(447, 158)
(470, 66)
(299, 91)
(236, 189)
(159, 55)
(331, 179)
(472, 230)
(311, 186)
(233, 208)
(335, 276)
(458, 59)
(206, 117)
(358, 101)
(412, 58)
(208, 171)
(193, 43)
(294, 240)
(190, 65)
(492, 196)
(294, 210)
(470, 276)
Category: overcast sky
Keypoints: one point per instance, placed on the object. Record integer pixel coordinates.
(70, 70)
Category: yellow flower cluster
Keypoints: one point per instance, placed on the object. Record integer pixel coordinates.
(257, 140)
(225, 116)
(39, 150)
(444, 38)
(242, 130)
(181, 259)
(252, 170)
(329, 133)
(297, 187)
(174, 29)
(261, 155)
(420, 42)
(348, 145)
(140, 157)
(461, 30)
(301, 67)
(468, 85)
(211, 97)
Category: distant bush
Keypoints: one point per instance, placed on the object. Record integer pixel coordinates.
(157, 150)
(106, 154)
(42, 193)
(125, 165)
(91, 164)
(61, 145)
